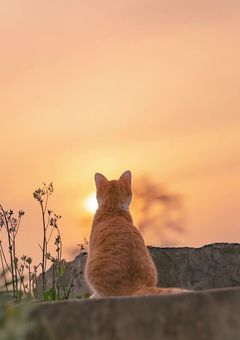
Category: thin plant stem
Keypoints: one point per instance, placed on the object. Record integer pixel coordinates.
(44, 248)
(60, 239)
(29, 278)
(4, 257)
(3, 271)
(10, 250)
(50, 235)
(15, 266)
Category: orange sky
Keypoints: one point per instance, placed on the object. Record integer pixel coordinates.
(147, 85)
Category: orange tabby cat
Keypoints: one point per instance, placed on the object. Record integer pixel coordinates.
(118, 261)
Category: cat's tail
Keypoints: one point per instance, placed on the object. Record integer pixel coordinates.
(159, 291)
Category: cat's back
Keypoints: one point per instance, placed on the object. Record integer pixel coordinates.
(116, 239)
(115, 232)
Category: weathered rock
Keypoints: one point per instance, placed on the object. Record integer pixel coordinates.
(205, 315)
(212, 266)
(72, 283)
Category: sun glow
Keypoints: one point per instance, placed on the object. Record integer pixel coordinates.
(91, 204)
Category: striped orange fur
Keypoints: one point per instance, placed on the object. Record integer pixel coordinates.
(118, 261)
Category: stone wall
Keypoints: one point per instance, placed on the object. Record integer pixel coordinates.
(212, 266)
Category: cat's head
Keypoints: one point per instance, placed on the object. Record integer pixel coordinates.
(115, 194)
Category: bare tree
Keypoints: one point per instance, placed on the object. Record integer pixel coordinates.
(158, 213)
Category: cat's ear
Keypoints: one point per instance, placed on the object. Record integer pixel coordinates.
(100, 180)
(126, 177)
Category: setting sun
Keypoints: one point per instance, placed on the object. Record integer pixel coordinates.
(91, 204)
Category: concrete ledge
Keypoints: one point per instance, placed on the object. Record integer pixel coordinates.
(203, 315)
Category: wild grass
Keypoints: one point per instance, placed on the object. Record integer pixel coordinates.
(18, 274)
